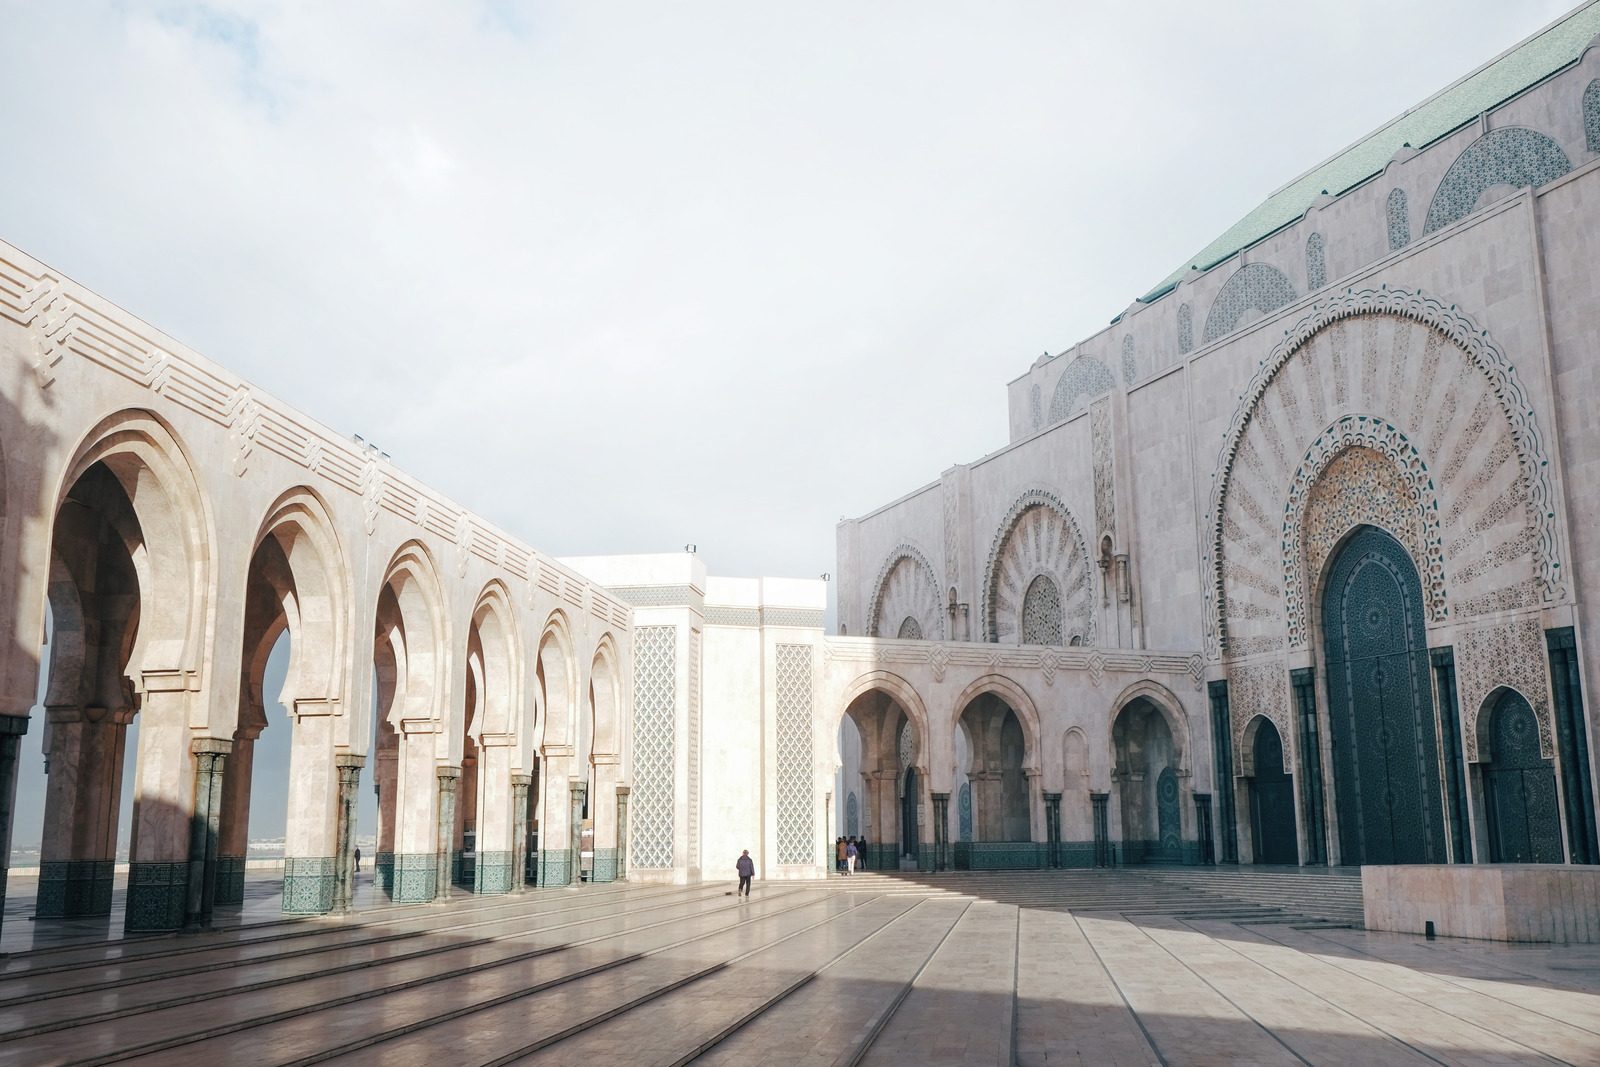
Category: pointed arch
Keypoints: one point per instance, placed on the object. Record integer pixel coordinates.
(1082, 380)
(907, 587)
(1163, 700)
(1038, 535)
(1017, 699)
(557, 671)
(298, 552)
(493, 643)
(1253, 287)
(412, 627)
(605, 698)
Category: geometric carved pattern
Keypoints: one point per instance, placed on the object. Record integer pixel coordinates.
(654, 719)
(1591, 116)
(1185, 329)
(1509, 654)
(1398, 213)
(1362, 471)
(1316, 263)
(906, 589)
(796, 756)
(910, 629)
(1454, 420)
(1130, 360)
(1041, 613)
(1253, 287)
(1257, 689)
(1084, 379)
(1036, 407)
(1038, 536)
(852, 816)
(964, 811)
(1513, 155)
(1105, 498)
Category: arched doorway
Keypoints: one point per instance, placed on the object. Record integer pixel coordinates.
(890, 745)
(1146, 777)
(1519, 788)
(1380, 701)
(1271, 799)
(997, 748)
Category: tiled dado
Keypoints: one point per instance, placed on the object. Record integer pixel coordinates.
(416, 877)
(555, 867)
(383, 872)
(308, 884)
(605, 865)
(492, 873)
(157, 893)
(73, 888)
(230, 880)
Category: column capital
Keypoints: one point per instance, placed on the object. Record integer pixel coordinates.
(446, 773)
(522, 781)
(210, 746)
(13, 724)
(348, 759)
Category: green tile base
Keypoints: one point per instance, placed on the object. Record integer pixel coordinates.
(492, 873)
(308, 884)
(72, 889)
(1000, 855)
(416, 878)
(230, 880)
(383, 872)
(555, 868)
(157, 896)
(605, 865)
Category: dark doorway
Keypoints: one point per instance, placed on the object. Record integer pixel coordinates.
(908, 815)
(1271, 800)
(1519, 788)
(1380, 701)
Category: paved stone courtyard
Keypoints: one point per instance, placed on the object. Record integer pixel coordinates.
(1175, 965)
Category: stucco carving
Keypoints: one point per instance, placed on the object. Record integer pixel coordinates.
(1037, 536)
(906, 588)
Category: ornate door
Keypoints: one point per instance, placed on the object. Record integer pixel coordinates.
(1380, 701)
(1272, 801)
(1519, 788)
(1168, 822)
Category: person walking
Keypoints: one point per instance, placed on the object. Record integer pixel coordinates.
(358, 861)
(861, 852)
(747, 870)
(850, 858)
(838, 855)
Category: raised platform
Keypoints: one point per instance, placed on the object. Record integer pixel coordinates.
(1494, 902)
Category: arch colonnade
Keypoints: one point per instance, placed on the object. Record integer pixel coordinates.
(165, 527)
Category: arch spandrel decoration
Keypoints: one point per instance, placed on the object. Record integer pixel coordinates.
(1083, 379)
(1591, 116)
(1253, 287)
(1037, 536)
(1462, 409)
(1508, 655)
(906, 588)
(1512, 155)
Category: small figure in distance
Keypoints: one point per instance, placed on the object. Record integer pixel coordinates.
(850, 857)
(358, 861)
(861, 852)
(838, 854)
(747, 870)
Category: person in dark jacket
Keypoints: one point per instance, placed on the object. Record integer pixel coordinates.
(747, 870)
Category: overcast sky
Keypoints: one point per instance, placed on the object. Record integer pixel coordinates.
(625, 276)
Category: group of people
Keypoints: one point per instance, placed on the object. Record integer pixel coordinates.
(850, 853)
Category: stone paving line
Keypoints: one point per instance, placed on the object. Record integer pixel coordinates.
(312, 1009)
(246, 974)
(874, 970)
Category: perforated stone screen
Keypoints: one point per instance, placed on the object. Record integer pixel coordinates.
(796, 758)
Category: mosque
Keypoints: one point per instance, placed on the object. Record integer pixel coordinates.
(1296, 562)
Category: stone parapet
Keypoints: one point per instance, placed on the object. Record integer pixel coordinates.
(1502, 902)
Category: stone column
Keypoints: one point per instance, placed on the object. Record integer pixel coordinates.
(233, 846)
(495, 871)
(416, 860)
(12, 727)
(163, 802)
(941, 830)
(210, 758)
(385, 780)
(580, 793)
(555, 831)
(988, 817)
(603, 809)
(349, 770)
(448, 778)
(520, 784)
(884, 801)
(623, 793)
(83, 792)
(1052, 829)
(309, 845)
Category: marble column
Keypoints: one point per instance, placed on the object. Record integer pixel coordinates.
(348, 768)
(233, 846)
(163, 802)
(603, 810)
(83, 792)
(883, 798)
(416, 855)
(988, 802)
(210, 763)
(941, 830)
(12, 727)
(520, 784)
(497, 821)
(623, 794)
(555, 830)
(309, 846)
(580, 794)
(385, 776)
(448, 779)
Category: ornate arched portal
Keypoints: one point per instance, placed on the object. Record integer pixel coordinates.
(1519, 786)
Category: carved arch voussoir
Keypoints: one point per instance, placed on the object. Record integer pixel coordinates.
(880, 588)
(1479, 348)
(1028, 500)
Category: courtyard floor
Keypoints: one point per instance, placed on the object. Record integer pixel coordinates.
(1175, 966)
